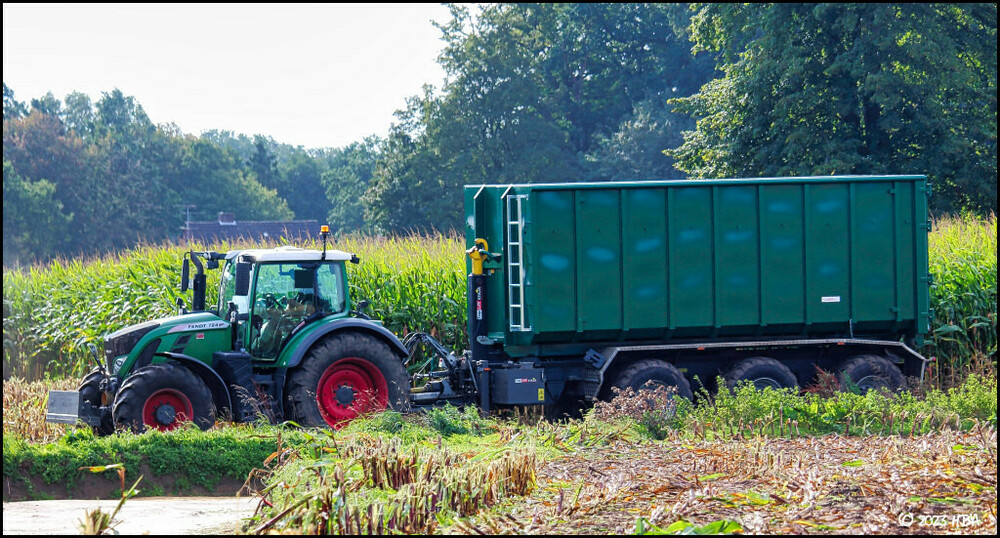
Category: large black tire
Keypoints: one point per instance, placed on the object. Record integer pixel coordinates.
(345, 376)
(163, 396)
(90, 394)
(648, 373)
(567, 407)
(761, 372)
(868, 372)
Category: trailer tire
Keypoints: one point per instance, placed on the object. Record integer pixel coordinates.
(868, 372)
(761, 372)
(90, 393)
(163, 396)
(642, 373)
(345, 376)
(566, 407)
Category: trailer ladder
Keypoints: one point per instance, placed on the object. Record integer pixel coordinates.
(515, 265)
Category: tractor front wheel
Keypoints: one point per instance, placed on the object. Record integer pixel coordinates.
(343, 377)
(162, 397)
(90, 394)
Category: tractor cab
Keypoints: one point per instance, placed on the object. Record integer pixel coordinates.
(272, 294)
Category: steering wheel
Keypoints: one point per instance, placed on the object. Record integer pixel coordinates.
(270, 301)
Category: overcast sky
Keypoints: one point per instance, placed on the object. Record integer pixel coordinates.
(304, 74)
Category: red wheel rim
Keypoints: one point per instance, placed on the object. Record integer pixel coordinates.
(166, 409)
(351, 387)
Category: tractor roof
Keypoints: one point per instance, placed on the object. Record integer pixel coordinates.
(289, 254)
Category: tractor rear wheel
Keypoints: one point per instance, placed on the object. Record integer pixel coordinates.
(343, 377)
(162, 397)
(90, 394)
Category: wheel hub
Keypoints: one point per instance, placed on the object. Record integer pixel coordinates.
(165, 409)
(345, 395)
(871, 382)
(763, 382)
(166, 414)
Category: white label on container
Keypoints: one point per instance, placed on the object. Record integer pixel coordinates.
(831, 299)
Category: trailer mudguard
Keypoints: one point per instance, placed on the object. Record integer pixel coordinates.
(296, 350)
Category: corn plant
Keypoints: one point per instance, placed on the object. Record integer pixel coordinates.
(52, 312)
(414, 283)
(963, 267)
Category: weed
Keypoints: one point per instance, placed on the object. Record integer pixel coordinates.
(450, 420)
(654, 410)
(98, 522)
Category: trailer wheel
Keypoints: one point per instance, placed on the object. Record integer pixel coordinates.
(90, 393)
(162, 397)
(648, 373)
(762, 372)
(567, 407)
(867, 372)
(346, 376)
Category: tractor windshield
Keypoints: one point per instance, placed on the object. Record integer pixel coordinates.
(287, 294)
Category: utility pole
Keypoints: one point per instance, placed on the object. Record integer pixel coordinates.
(187, 221)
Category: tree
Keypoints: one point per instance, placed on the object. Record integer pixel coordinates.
(39, 148)
(264, 165)
(637, 149)
(132, 197)
(214, 182)
(349, 174)
(47, 104)
(78, 114)
(12, 108)
(34, 223)
(303, 186)
(818, 89)
(535, 92)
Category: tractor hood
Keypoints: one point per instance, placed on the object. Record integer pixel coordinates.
(125, 343)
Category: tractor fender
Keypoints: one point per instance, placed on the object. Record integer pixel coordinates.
(220, 394)
(353, 324)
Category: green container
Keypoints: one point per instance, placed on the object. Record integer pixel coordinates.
(583, 264)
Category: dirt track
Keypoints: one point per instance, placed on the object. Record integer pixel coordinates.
(148, 515)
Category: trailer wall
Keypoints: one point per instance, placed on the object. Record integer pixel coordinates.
(662, 261)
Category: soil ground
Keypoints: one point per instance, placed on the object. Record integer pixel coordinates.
(147, 515)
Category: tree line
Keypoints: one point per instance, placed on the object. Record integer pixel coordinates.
(544, 93)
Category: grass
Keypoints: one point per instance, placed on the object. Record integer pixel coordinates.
(180, 460)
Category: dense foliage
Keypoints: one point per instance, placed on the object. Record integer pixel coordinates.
(819, 89)
(539, 93)
(543, 92)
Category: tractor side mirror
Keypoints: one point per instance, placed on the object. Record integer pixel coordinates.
(185, 274)
(243, 278)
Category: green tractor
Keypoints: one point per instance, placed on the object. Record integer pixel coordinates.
(281, 343)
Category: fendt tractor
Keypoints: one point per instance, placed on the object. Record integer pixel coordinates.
(591, 287)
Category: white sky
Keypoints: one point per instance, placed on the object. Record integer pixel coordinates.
(315, 75)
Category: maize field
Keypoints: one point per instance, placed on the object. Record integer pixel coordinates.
(415, 283)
